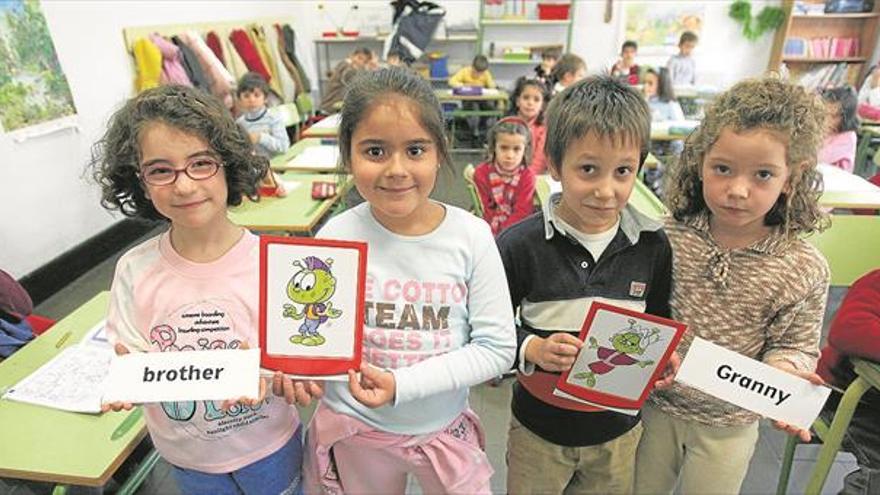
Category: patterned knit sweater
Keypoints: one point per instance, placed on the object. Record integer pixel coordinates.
(765, 301)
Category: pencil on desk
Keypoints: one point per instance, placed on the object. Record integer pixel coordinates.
(62, 340)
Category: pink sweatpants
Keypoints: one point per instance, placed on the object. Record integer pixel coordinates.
(364, 470)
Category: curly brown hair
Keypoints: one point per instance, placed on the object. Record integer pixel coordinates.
(115, 160)
(770, 103)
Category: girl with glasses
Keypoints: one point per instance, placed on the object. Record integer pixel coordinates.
(174, 153)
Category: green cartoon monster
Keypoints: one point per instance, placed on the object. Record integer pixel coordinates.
(312, 286)
(632, 340)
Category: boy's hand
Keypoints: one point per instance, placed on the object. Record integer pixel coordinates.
(120, 350)
(813, 378)
(555, 353)
(296, 391)
(255, 137)
(669, 371)
(375, 388)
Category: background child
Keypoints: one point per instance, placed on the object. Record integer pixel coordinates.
(682, 67)
(543, 70)
(567, 71)
(15, 307)
(660, 96)
(587, 244)
(477, 74)
(742, 196)
(839, 148)
(263, 126)
(438, 312)
(626, 68)
(505, 183)
(855, 332)
(174, 153)
(331, 97)
(530, 98)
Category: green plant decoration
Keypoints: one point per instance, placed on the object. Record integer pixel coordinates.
(769, 19)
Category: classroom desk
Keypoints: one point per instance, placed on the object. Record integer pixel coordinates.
(325, 128)
(500, 96)
(845, 190)
(296, 213)
(660, 131)
(44, 444)
(281, 163)
(642, 198)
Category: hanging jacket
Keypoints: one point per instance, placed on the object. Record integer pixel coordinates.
(287, 62)
(172, 66)
(148, 64)
(191, 65)
(220, 80)
(290, 49)
(258, 37)
(243, 45)
(234, 62)
(214, 43)
(285, 79)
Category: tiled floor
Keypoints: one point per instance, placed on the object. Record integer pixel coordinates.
(490, 403)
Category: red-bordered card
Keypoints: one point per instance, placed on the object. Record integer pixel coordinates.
(311, 305)
(624, 353)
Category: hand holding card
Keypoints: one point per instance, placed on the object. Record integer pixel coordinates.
(624, 354)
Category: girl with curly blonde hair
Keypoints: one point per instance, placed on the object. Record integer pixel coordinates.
(745, 190)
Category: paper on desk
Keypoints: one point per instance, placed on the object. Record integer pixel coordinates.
(186, 375)
(290, 185)
(322, 157)
(838, 180)
(71, 381)
(491, 91)
(329, 122)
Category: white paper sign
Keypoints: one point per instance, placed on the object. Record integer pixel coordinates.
(751, 384)
(188, 375)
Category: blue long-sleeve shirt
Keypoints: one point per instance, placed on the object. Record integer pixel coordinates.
(268, 124)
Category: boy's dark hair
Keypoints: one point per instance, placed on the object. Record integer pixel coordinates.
(629, 44)
(363, 50)
(665, 92)
(845, 96)
(510, 125)
(687, 37)
(115, 160)
(480, 63)
(521, 84)
(568, 64)
(252, 81)
(369, 87)
(550, 53)
(600, 104)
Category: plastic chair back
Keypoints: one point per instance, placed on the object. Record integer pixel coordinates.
(476, 204)
(850, 246)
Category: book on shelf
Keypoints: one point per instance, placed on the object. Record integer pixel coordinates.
(822, 47)
(821, 76)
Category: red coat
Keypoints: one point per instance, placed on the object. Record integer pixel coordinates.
(248, 52)
(539, 159)
(855, 331)
(523, 199)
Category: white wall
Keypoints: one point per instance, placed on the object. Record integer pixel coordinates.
(723, 56)
(46, 207)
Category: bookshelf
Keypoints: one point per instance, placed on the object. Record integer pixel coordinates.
(518, 26)
(808, 43)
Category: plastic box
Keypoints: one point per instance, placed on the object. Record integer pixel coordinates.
(553, 11)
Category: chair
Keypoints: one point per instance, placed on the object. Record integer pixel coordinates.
(291, 119)
(850, 246)
(476, 204)
(39, 324)
(868, 375)
(305, 105)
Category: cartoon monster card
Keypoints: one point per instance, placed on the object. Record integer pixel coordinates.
(624, 353)
(311, 305)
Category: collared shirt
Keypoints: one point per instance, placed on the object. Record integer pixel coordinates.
(765, 301)
(553, 281)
